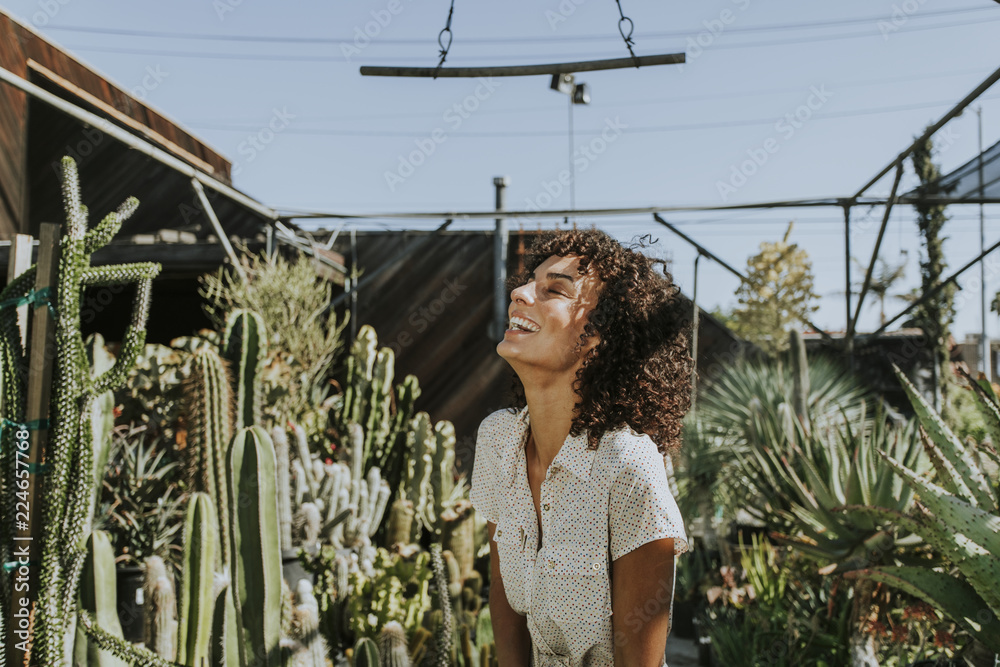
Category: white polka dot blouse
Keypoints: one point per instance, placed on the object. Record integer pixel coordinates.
(596, 506)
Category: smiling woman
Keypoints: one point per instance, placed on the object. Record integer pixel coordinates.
(571, 479)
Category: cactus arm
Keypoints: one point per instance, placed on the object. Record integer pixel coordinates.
(445, 629)
(366, 653)
(256, 563)
(302, 444)
(280, 439)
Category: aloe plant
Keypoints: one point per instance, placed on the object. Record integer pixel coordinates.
(958, 515)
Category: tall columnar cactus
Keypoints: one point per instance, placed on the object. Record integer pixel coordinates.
(444, 630)
(245, 348)
(256, 562)
(209, 405)
(160, 632)
(311, 649)
(959, 516)
(67, 487)
(98, 596)
(197, 603)
(283, 465)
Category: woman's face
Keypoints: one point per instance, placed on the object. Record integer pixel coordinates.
(547, 316)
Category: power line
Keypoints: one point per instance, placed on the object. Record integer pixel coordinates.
(209, 55)
(305, 131)
(780, 27)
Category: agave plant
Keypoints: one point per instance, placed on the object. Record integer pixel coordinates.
(800, 468)
(958, 514)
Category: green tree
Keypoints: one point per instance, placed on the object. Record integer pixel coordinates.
(777, 293)
(933, 316)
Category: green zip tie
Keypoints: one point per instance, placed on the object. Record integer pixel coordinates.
(41, 297)
(11, 565)
(36, 468)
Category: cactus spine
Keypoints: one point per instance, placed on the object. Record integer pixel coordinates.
(160, 633)
(245, 348)
(201, 538)
(98, 596)
(256, 565)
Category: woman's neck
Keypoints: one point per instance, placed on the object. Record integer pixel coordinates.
(551, 409)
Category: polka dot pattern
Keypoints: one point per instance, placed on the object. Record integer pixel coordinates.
(596, 506)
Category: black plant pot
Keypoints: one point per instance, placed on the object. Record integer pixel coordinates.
(130, 602)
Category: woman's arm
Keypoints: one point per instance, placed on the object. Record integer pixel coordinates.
(510, 629)
(642, 586)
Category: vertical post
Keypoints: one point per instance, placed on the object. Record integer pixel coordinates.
(572, 169)
(354, 284)
(30, 442)
(269, 246)
(849, 335)
(500, 262)
(18, 262)
(694, 337)
(987, 362)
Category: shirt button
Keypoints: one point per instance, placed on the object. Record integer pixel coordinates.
(546, 507)
(597, 566)
(499, 532)
(552, 565)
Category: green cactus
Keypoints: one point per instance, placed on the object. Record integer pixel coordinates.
(400, 522)
(959, 517)
(160, 632)
(392, 646)
(98, 596)
(256, 563)
(444, 630)
(281, 454)
(366, 653)
(245, 348)
(209, 406)
(197, 603)
(67, 489)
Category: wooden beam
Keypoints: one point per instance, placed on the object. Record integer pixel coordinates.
(524, 70)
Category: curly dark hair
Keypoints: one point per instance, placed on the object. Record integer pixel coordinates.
(639, 374)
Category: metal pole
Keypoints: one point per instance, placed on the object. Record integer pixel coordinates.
(849, 338)
(354, 284)
(694, 337)
(223, 239)
(572, 170)
(500, 263)
(985, 353)
(524, 70)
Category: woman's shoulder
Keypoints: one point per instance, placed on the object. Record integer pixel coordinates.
(624, 448)
(500, 429)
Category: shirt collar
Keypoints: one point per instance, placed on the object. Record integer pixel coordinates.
(574, 455)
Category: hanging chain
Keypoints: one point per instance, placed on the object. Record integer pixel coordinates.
(628, 38)
(441, 35)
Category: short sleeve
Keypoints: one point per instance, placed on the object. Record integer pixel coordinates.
(642, 509)
(485, 492)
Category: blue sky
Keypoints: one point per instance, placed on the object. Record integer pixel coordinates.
(833, 91)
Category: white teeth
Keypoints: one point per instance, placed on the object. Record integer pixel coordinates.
(523, 324)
